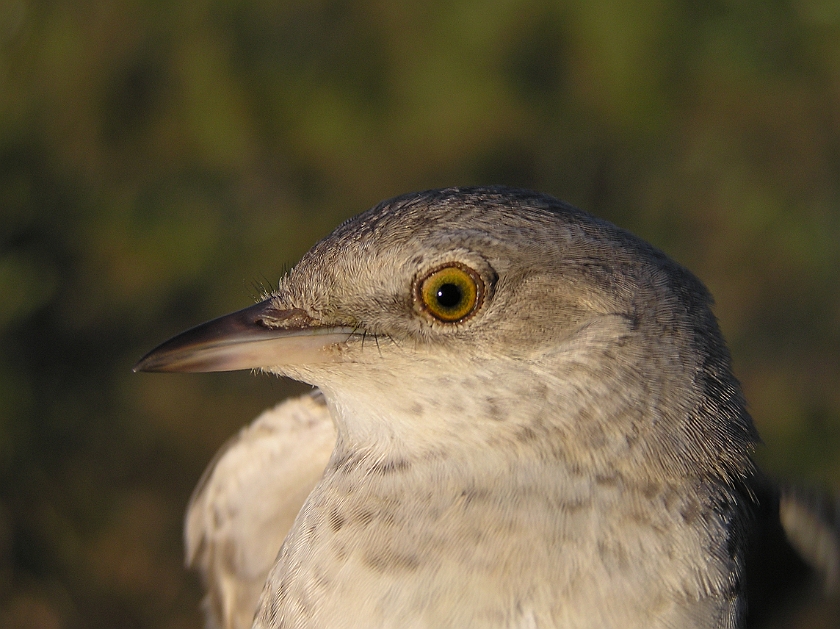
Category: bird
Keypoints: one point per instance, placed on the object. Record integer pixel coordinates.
(523, 416)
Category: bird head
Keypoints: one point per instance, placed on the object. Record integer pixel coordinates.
(496, 316)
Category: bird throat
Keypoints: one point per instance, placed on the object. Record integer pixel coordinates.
(432, 535)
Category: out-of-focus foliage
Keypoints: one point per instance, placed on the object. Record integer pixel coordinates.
(160, 162)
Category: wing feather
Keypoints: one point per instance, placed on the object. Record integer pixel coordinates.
(247, 500)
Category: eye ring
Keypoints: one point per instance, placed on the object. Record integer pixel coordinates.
(450, 293)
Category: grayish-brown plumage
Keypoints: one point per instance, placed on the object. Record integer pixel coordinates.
(247, 500)
(549, 436)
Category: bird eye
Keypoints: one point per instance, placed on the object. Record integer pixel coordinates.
(450, 293)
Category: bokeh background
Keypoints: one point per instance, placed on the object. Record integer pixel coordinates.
(163, 162)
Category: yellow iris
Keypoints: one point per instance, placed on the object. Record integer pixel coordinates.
(450, 293)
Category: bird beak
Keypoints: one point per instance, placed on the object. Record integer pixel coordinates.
(260, 336)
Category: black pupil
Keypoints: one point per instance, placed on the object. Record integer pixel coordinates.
(449, 295)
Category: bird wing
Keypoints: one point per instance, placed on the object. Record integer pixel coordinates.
(247, 500)
(811, 521)
(794, 551)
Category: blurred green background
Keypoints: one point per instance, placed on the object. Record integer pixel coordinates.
(161, 162)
